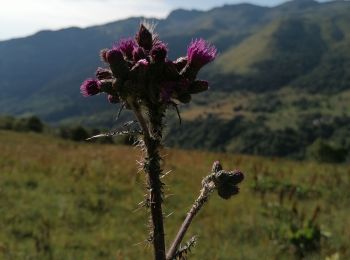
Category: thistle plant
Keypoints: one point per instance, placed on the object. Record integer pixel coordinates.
(140, 78)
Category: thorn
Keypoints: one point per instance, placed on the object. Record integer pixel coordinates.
(120, 110)
(177, 111)
(166, 174)
(171, 213)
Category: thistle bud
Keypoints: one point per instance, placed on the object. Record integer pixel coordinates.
(159, 52)
(138, 54)
(117, 63)
(114, 56)
(185, 98)
(226, 182)
(227, 191)
(198, 86)
(102, 73)
(144, 38)
(106, 86)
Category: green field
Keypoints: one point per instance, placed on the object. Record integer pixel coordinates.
(66, 200)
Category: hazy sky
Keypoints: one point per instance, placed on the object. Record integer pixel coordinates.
(24, 17)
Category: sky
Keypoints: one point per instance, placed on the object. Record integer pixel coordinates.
(20, 18)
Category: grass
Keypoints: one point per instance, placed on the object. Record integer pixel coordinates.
(65, 200)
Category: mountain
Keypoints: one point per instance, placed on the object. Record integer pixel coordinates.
(279, 68)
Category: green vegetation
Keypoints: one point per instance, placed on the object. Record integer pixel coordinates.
(76, 133)
(68, 200)
(284, 124)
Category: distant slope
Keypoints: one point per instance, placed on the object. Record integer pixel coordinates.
(307, 49)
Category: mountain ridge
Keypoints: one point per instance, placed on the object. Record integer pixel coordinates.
(41, 74)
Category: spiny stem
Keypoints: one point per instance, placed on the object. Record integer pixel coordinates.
(153, 170)
(203, 197)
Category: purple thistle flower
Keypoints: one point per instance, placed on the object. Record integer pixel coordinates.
(126, 46)
(159, 52)
(102, 73)
(114, 56)
(90, 87)
(138, 54)
(200, 53)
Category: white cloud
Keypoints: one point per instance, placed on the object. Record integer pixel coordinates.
(23, 17)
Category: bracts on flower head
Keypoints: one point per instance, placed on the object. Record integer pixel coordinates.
(106, 86)
(199, 53)
(226, 182)
(198, 86)
(144, 38)
(102, 73)
(139, 70)
(180, 63)
(175, 90)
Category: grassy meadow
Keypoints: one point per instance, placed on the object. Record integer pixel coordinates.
(66, 200)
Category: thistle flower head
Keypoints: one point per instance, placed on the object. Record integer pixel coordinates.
(140, 71)
(102, 73)
(90, 87)
(200, 52)
(126, 46)
(159, 52)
